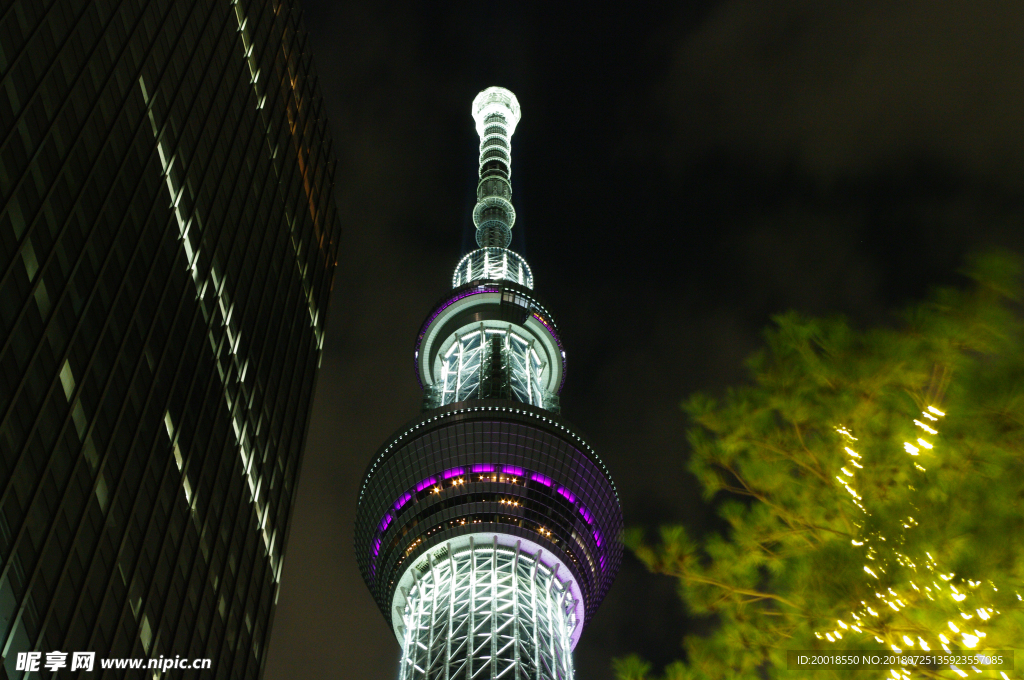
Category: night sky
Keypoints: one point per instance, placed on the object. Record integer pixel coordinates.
(680, 174)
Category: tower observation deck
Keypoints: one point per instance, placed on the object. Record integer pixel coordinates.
(488, 530)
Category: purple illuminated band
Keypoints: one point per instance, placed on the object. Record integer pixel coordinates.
(510, 470)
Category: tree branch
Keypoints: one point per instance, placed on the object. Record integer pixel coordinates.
(687, 576)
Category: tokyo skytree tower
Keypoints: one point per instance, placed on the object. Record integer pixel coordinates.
(488, 530)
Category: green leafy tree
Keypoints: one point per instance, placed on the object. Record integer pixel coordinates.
(873, 488)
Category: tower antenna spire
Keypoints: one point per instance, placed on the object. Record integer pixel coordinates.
(496, 112)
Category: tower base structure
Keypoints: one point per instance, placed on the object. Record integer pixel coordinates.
(487, 610)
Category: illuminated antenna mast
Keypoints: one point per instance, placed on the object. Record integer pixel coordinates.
(496, 112)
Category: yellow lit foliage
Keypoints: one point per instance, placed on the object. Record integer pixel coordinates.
(872, 484)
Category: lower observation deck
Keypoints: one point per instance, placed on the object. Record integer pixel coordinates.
(496, 468)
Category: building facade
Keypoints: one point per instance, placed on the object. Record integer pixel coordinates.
(167, 244)
(488, 530)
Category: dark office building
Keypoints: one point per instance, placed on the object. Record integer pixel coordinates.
(168, 240)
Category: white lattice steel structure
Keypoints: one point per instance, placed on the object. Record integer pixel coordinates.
(487, 611)
(494, 264)
(463, 368)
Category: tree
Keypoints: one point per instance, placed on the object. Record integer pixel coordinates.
(872, 486)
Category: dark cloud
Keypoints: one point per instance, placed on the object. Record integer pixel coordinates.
(848, 88)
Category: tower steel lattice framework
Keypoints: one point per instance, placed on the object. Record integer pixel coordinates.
(488, 530)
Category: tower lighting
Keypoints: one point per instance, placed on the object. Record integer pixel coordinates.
(487, 528)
